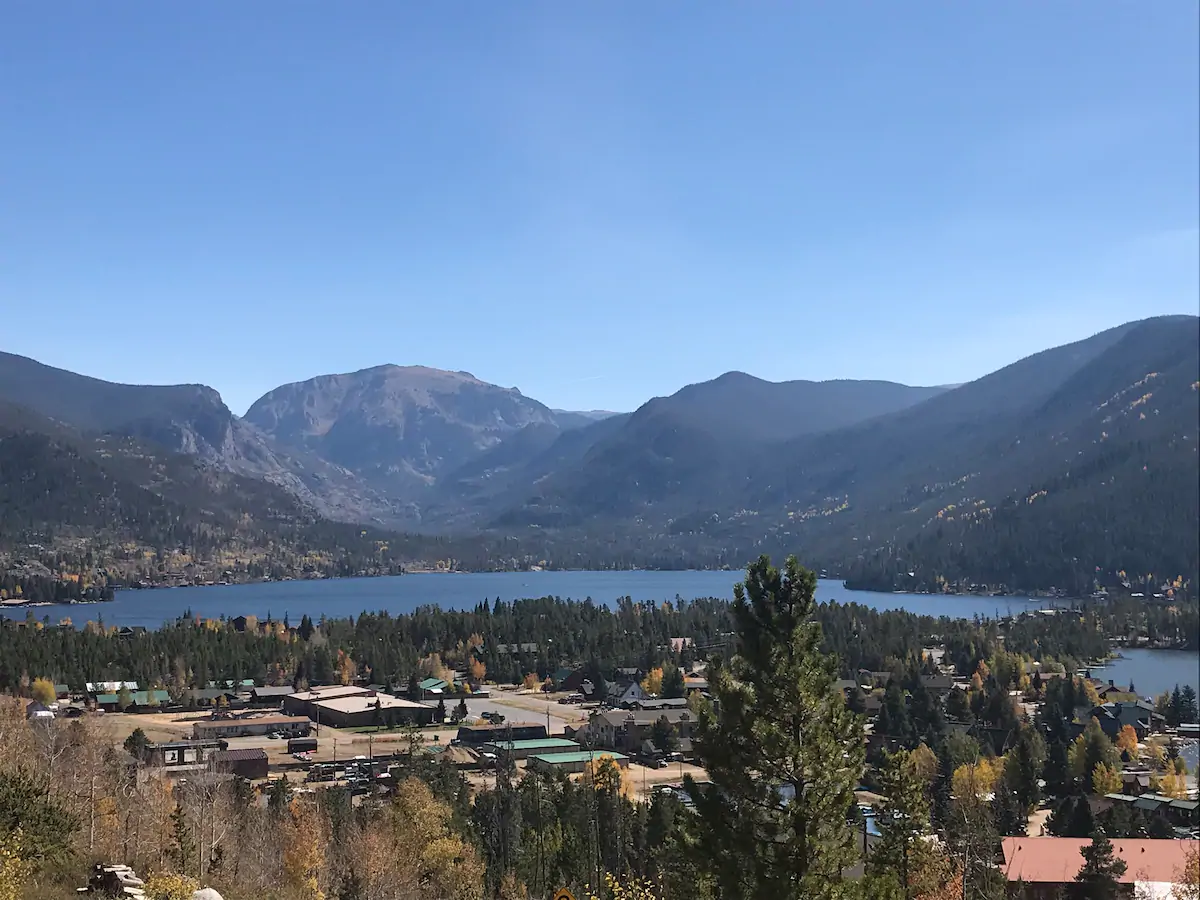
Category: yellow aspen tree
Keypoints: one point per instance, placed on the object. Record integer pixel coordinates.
(1106, 779)
(304, 851)
(653, 682)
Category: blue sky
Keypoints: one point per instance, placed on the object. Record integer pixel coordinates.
(594, 202)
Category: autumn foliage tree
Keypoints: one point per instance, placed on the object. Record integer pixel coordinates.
(652, 684)
(346, 668)
(304, 850)
(42, 690)
(1127, 740)
(1106, 779)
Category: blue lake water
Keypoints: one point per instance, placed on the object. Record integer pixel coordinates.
(1151, 671)
(350, 596)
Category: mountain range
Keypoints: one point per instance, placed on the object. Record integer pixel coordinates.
(1079, 459)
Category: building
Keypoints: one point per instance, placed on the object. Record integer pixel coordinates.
(624, 693)
(513, 649)
(1044, 866)
(179, 754)
(1175, 812)
(477, 735)
(524, 749)
(109, 687)
(359, 710)
(292, 726)
(213, 696)
(38, 711)
(138, 701)
(662, 703)
(249, 763)
(629, 730)
(939, 684)
(570, 680)
(302, 703)
(1115, 716)
(270, 696)
(571, 763)
(434, 686)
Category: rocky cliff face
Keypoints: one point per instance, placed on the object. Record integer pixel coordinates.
(191, 419)
(397, 427)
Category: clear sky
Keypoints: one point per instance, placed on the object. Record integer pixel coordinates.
(596, 202)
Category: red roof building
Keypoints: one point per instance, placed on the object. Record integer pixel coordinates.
(1045, 864)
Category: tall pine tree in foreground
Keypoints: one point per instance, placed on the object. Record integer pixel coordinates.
(782, 750)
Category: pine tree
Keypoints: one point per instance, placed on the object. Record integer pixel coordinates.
(782, 750)
(183, 849)
(903, 822)
(1023, 766)
(1099, 879)
(1187, 705)
(673, 685)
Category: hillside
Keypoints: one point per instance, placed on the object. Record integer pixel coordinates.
(1079, 457)
(193, 420)
(1077, 460)
(397, 427)
(694, 448)
(93, 510)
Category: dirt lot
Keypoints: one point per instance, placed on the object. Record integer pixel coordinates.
(158, 727)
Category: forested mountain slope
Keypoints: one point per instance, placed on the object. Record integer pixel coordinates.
(695, 446)
(95, 509)
(190, 419)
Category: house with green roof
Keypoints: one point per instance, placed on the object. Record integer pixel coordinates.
(524, 749)
(433, 686)
(571, 763)
(139, 700)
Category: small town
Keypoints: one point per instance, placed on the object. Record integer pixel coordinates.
(637, 729)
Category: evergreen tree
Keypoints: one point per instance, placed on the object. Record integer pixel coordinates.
(137, 743)
(1071, 818)
(461, 709)
(1187, 705)
(1099, 879)
(1057, 771)
(662, 735)
(1023, 767)
(673, 686)
(782, 750)
(894, 720)
(1010, 813)
(183, 848)
(903, 822)
(441, 711)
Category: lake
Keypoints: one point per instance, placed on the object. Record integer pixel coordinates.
(338, 598)
(1152, 671)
